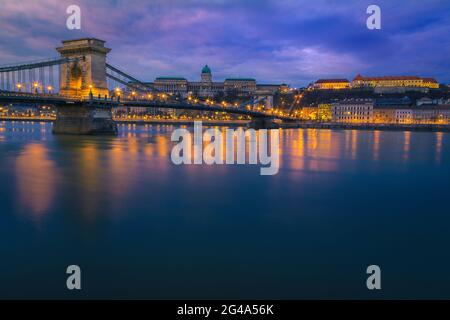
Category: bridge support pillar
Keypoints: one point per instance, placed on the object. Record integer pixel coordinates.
(84, 120)
(263, 123)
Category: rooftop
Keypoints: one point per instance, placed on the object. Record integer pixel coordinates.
(429, 80)
(84, 39)
(360, 77)
(413, 107)
(356, 101)
(206, 69)
(170, 78)
(332, 81)
(240, 79)
(405, 101)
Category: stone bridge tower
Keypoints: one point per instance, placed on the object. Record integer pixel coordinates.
(88, 73)
(85, 74)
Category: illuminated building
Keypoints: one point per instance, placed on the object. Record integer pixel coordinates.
(353, 110)
(175, 85)
(206, 75)
(430, 83)
(384, 114)
(406, 113)
(331, 84)
(245, 85)
(207, 88)
(308, 113)
(403, 116)
(324, 111)
(431, 114)
(391, 110)
(394, 82)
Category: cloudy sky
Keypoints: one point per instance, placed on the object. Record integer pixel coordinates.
(292, 41)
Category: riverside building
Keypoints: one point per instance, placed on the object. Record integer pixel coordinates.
(353, 110)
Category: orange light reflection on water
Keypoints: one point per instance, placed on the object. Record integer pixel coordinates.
(37, 177)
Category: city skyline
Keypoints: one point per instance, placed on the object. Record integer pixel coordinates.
(295, 42)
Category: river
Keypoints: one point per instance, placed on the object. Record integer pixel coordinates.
(140, 226)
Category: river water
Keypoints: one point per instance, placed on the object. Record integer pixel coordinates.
(141, 227)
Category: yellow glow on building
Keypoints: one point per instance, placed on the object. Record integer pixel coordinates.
(395, 81)
(332, 84)
(308, 113)
(324, 112)
(353, 111)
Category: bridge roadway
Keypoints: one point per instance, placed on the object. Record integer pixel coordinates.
(57, 100)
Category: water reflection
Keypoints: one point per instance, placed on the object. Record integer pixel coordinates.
(313, 150)
(406, 144)
(98, 175)
(37, 178)
(354, 143)
(90, 174)
(119, 201)
(439, 136)
(376, 145)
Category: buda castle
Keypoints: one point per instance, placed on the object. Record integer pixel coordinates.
(206, 87)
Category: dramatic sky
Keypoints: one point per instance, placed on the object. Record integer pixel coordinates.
(292, 41)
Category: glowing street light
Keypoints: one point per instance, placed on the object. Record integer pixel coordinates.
(49, 89)
(19, 86)
(35, 85)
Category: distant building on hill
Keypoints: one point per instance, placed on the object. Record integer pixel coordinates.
(331, 84)
(395, 82)
(385, 84)
(206, 87)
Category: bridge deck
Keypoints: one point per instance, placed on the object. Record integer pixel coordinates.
(57, 100)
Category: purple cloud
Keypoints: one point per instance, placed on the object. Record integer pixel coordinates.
(291, 41)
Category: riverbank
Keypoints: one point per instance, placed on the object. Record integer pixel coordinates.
(31, 119)
(228, 123)
(369, 126)
(294, 125)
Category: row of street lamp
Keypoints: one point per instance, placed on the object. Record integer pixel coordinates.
(118, 93)
(35, 86)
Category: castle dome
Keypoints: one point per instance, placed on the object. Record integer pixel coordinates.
(206, 69)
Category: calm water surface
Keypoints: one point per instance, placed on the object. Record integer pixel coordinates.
(141, 227)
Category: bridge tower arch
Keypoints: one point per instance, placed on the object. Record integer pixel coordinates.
(87, 70)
